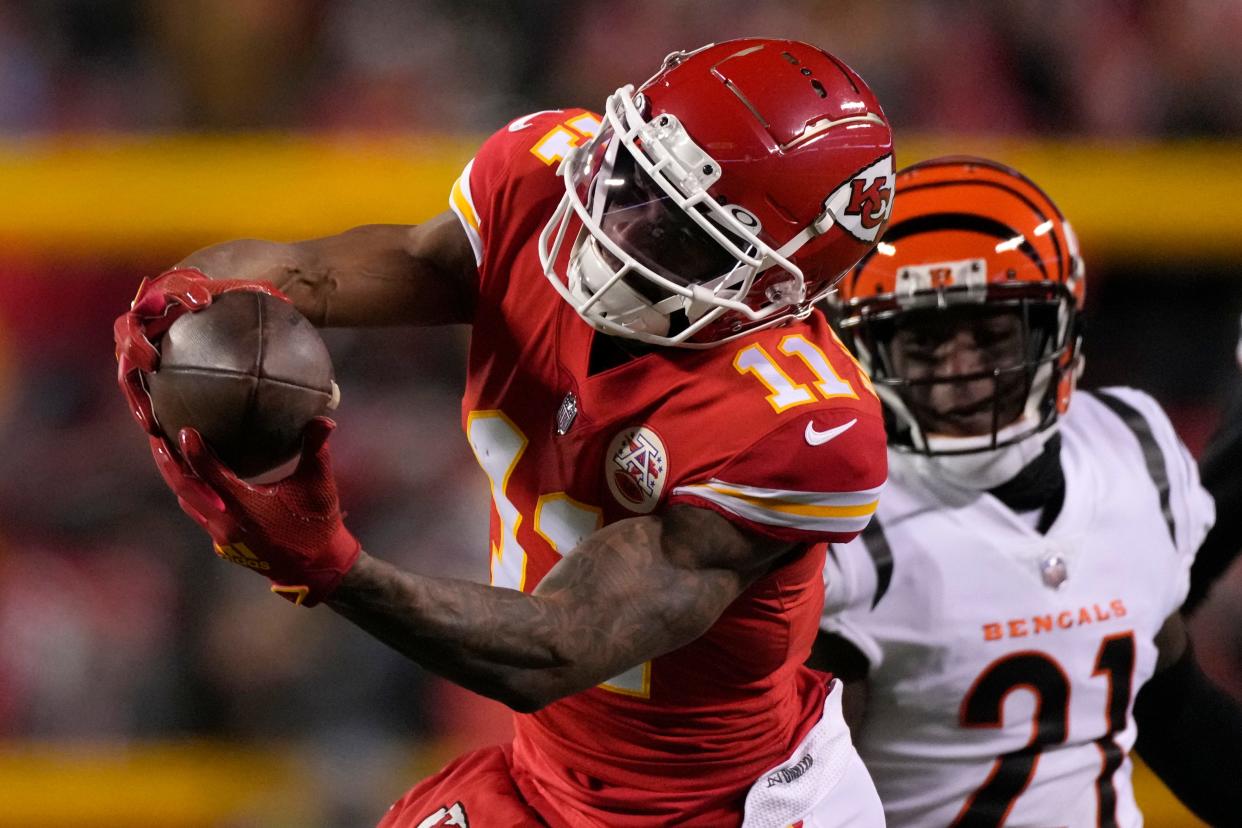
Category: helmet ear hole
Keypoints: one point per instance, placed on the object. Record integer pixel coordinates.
(743, 216)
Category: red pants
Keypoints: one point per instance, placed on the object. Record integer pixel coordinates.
(474, 791)
(483, 789)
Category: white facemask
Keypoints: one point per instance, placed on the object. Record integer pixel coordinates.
(620, 304)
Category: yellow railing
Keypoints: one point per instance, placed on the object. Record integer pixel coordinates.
(176, 785)
(121, 194)
(129, 194)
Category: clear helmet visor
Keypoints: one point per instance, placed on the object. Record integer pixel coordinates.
(653, 255)
(643, 220)
(638, 220)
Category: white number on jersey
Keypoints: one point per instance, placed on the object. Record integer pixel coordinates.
(560, 520)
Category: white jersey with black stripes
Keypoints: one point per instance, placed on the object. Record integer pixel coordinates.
(1003, 663)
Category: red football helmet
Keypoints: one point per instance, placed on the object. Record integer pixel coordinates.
(726, 194)
(970, 239)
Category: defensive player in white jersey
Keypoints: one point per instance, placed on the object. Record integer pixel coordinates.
(1023, 577)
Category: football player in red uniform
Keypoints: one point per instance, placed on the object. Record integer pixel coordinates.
(648, 386)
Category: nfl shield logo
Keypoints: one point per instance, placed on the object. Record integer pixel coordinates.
(636, 467)
(1054, 571)
(567, 413)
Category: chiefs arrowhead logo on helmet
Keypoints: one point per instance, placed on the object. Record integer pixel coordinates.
(869, 203)
(862, 204)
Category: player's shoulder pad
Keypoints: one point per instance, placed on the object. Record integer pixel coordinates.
(812, 478)
(1139, 412)
(516, 169)
(1187, 508)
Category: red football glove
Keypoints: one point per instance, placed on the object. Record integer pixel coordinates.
(291, 531)
(159, 303)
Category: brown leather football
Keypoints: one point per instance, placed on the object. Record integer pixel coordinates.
(249, 372)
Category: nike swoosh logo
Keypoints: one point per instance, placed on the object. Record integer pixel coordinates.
(524, 121)
(818, 438)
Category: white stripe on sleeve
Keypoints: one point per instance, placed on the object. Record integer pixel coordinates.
(843, 512)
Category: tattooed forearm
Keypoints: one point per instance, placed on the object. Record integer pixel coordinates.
(378, 274)
(634, 590)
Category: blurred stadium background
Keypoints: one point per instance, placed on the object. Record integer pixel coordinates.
(144, 683)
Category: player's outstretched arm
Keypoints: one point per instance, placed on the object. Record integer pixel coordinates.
(634, 590)
(375, 275)
(378, 274)
(1189, 731)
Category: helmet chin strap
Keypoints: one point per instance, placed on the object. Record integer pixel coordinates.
(977, 468)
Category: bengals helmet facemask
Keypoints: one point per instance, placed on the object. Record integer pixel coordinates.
(977, 251)
(726, 194)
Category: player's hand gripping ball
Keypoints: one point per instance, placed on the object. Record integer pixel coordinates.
(248, 373)
(158, 304)
(292, 531)
(239, 364)
(230, 358)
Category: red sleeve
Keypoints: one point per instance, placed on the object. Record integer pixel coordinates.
(810, 479)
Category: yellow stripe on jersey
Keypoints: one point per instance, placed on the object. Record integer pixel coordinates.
(462, 203)
(812, 511)
(809, 510)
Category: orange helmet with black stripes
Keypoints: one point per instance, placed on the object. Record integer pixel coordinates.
(967, 238)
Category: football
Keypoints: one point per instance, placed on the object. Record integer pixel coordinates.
(248, 372)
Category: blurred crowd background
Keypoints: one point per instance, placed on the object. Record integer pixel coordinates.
(1127, 68)
(120, 634)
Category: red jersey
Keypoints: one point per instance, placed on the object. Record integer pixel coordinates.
(778, 432)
